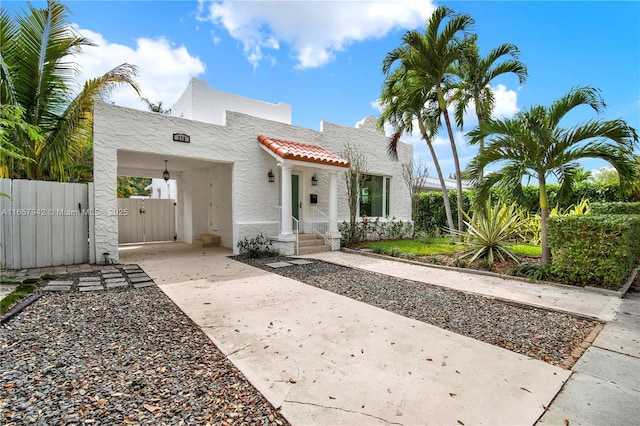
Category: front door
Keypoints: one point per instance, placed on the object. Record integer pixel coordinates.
(295, 196)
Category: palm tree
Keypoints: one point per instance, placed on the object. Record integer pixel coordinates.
(406, 98)
(475, 75)
(38, 75)
(533, 144)
(155, 107)
(431, 54)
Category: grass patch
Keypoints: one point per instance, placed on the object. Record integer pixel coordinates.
(14, 297)
(441, 246)
(526, 250)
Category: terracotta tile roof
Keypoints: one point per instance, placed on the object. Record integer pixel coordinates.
(302, 152)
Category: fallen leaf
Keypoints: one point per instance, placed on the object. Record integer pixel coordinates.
(266, 346)
(151, 408)
(459, 422)
(566, 422)
(332, 397)
(129, 420)
(291, 380)
(237, 330)
(361, 351)
(451, 394)
(429, 359)
(444, 364)
(525, 389)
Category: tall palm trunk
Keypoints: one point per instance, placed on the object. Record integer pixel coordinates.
(443, 185)
(454, 151)
(544, 214)
(480, 116)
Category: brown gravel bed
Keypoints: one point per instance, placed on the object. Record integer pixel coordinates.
(119, 357)
(543, 334)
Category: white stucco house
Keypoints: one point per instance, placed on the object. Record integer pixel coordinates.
(162, 189)
(242, 169)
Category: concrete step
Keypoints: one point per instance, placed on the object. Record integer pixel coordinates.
(207, 240)
(314, 249)
(311, 242)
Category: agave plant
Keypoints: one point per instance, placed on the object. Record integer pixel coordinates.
(489, 232)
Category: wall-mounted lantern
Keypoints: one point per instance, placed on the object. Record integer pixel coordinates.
(271, 176)
(166, 175)
(314, 180)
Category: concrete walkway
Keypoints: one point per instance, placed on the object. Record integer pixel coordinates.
(604, 387)
(326, 359)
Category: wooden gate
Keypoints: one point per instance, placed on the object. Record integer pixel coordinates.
(43, 223)
(146, 220)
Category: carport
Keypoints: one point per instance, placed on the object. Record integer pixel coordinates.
(202, 205)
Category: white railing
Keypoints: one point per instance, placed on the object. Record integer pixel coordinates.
(295, 224)
(296, 230)
(320, 224)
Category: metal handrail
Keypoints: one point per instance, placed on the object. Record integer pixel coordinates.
(295, 225)
(320, 227)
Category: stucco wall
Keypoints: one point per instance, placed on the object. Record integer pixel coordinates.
(236, 181)
(203, 103)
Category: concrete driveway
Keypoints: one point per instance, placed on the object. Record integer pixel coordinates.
(326, 359)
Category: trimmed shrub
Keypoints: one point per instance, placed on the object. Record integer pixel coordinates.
(368, 229)
(596, 250)
(431, 215)
(615, 208)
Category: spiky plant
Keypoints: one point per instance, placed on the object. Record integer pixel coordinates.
(489, 232)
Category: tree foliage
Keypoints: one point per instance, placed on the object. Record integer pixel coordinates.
(39, 75)
(534, 144)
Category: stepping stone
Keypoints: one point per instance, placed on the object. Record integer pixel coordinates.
(55, 283)
(118, 275)
(144, 284)
(117, 284)
(141, 275)
(91, 288)
(115, 281)
(140, 279)
(57, 288)
(89, 284)
(132, 268)
(279, 264)
(300, 262)
(90, 279)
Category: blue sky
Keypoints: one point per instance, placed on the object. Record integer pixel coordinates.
(324, 57)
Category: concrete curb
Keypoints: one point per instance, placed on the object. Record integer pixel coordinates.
(19, 307)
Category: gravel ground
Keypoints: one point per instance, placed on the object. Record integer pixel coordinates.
(543, 334)
(119, 357)
(130, 356)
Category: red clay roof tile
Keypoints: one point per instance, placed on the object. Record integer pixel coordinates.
(302, 152)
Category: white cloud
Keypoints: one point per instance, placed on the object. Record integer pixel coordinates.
(314, 30)
(164, 70)
(506, 102)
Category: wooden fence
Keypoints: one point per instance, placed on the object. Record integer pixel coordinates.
(44, 223)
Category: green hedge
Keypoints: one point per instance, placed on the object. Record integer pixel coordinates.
(595, 250)
(614, 208)
(431, 215)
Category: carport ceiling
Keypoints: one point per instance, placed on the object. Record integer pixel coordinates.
(151, 165)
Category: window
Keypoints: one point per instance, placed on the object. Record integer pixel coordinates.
(374, 196)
